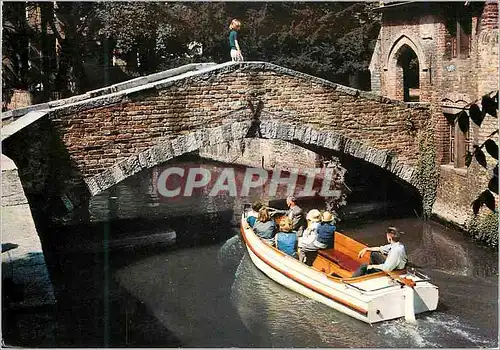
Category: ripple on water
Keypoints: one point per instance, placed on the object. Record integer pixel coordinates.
(283, 318)
(433, 330)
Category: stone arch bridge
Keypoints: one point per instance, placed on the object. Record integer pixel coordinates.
(72, 149)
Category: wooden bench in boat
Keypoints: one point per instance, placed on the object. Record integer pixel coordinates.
(343, 260)
(344, 255)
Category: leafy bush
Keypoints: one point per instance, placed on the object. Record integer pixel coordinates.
(489, 104)
(484, 228)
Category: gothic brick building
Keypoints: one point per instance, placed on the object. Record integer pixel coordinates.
(445, 54)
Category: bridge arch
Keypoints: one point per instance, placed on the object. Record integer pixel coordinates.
(238, 131)
(104, 137)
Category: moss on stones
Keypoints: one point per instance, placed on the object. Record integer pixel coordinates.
(427, 170)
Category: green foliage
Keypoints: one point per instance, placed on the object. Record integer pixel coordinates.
(427, 171)
(489, 104)
(15, 34)
(333, 40)
(484, 228)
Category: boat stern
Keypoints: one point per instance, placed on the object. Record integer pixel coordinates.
(404, 302)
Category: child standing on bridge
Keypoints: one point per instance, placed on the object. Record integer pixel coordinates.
(236, 55)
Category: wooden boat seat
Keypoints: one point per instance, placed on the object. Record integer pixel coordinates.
(343, 260)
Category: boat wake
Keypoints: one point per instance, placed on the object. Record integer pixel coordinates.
(230, 254)
(432, 331)
(278, 317)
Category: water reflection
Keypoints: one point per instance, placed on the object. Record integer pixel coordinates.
(188, 294)
(438, 251)
(282, 318)
(214, 296)
(431, 246)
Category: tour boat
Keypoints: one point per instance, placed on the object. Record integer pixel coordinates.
(371, 298)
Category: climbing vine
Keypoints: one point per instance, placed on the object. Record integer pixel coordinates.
(427, 171)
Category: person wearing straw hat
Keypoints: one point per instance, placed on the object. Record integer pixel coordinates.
(326, 230)
(307, 249)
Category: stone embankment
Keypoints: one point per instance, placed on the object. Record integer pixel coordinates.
(25, 278)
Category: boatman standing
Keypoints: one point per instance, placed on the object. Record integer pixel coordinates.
(296, 214)
(388, 257)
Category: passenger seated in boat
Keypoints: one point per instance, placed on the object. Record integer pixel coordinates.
(264, 226)
(395, 251)
(254, 213)
(326, 230)
(294, 213)
(286, 238)
(307, 249)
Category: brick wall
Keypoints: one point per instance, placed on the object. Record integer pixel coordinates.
(454, 80)
(137, 197)
(94, 144)
(261, 153)
(97, 138)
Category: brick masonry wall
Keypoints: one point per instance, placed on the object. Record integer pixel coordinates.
(263, 153)
(107, 139)
(138, 197)
(97, 138)
(452, 79)
(471, 79)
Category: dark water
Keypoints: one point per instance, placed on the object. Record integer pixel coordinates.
(211, 295)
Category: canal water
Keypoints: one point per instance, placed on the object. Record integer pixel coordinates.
(206, 292)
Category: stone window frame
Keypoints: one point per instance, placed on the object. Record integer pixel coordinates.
(459, 31)
(457, 143)
(391, 66)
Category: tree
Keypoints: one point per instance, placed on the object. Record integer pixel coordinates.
(71, 48)
(16, 34)
(330, 40)
(489, 105)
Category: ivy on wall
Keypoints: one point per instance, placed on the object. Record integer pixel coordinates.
(427, 171)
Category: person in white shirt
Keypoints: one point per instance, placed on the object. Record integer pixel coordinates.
(307, 249)
(387, 258)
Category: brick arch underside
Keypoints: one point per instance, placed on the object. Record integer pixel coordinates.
(269, 129)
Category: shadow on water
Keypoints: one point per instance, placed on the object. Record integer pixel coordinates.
(153, 295)
(187, 296)
(205, 292)
(77, 320)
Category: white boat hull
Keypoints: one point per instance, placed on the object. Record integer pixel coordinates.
(369, 300)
